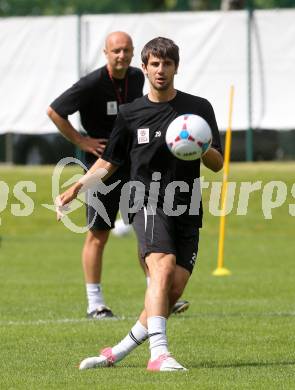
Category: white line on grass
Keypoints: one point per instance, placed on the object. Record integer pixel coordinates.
(124, 318)
(59, 321)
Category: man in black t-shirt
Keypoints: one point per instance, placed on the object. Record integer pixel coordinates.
(97, 97)
(168, 239)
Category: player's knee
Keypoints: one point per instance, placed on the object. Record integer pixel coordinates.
(166, 273)
(97, 237)
(164, 278)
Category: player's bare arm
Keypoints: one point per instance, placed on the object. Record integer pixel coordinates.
(101, 170)
(213, 160)
(87, 144)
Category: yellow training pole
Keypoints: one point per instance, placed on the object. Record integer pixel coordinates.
(220, 270)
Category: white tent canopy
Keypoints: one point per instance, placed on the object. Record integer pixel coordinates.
(40, 58)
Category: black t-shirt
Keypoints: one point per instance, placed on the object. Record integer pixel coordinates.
(96, 96)
(139, 135)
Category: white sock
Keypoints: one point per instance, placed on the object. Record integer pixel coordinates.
(94, 296)
(157, 336)
(137, 335)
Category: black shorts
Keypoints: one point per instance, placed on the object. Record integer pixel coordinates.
(159, 233)
(110, 202)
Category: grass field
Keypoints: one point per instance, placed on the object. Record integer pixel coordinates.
(239, 332)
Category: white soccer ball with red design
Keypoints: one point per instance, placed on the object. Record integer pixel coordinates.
(188, 137)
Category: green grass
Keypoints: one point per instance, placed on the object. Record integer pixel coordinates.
(237, 334)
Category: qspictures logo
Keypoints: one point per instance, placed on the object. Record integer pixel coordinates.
(272, 194)
(88, 196)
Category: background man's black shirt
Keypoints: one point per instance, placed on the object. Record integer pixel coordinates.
(90, 95)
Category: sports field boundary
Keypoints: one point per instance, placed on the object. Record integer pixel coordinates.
(130, 318)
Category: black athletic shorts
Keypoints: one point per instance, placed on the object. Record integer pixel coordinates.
(159, 233)
(110, 202)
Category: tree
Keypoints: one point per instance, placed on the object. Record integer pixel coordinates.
(62, 7)
(228, 5)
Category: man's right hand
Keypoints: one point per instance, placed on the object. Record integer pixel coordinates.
(88, 144)
(95, 146)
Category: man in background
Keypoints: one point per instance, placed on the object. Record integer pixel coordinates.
(97, 97)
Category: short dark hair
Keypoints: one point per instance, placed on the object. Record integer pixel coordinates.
(161, 48)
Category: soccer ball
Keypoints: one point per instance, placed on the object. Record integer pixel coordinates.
(188, 137)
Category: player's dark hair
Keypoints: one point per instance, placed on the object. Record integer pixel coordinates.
(161, 48)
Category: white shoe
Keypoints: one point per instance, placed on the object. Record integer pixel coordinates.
(105, 359)
(165, 362)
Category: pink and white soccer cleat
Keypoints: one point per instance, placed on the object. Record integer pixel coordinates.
(165, 362)
(105, 359)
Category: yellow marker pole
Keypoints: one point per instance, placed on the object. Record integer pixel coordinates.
(220, 270)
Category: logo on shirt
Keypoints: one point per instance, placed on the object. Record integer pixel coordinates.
(143, 136)
(158, 134)
(112, 108)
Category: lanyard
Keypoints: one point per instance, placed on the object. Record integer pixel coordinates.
(117, 90)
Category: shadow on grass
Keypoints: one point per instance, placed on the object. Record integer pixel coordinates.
(241, 364)
(204, 365)
(242, 315)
